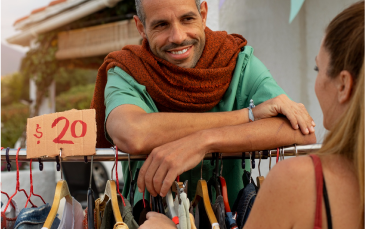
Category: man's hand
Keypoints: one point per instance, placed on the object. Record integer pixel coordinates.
(294, 112)
(166, 162)
(158, 221)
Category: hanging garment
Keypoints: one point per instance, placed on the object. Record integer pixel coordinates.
(108, 220)
(140, 212)
(34, 218)
(201, 217)
(219, 211)
(244, 202)
(84, 222)
(192, 221)
(99, 210)
(231, 220)
(8, 218)
(73, 216)
(182, 211)
(321, 190)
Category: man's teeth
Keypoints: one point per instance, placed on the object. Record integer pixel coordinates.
(179, 52)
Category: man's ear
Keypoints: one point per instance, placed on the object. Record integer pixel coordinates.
(204, 13)
(139, 26)
(345, 85)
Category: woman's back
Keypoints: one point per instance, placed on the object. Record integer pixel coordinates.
(292, 182)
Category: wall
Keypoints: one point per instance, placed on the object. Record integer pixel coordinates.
(287, 50)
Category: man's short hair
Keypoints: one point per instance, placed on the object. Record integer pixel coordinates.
(141, 15)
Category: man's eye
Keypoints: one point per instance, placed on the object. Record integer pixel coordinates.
(160, 25)
(316, 68)
(188, 19)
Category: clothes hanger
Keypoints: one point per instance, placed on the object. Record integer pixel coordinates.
(223, 186)
(31, 186)
(61, 192)
(17, 181)
(133, 183)
(111, 193)
(296, 150)
(202, 193)
(214, 181)
(270, 160)
(90, 199)
(260, 179)
(227, 208)
(5, 192)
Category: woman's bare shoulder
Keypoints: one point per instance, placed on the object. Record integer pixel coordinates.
(288, 189)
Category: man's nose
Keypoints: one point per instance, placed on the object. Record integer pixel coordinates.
(177, 34)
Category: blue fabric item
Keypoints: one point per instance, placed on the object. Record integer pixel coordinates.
(243, 204)
(34, 218)
(230, 220)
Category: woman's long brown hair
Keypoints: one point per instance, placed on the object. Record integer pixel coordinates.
(344, 40)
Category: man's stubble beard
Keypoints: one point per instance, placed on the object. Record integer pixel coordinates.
(194, 42)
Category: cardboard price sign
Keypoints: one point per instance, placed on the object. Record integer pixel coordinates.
(74, 131)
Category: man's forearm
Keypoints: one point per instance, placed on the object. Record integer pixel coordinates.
(135, 131)
(259, 135)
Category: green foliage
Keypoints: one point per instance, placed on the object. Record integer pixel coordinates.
(13, 123)
(14, 87)
(76, 98)
(69, 78)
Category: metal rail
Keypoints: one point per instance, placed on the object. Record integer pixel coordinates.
(108, 154)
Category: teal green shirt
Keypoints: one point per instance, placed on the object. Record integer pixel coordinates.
(251, 80)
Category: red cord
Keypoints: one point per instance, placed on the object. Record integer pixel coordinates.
(6, 193)
(17, 184)
(144, 203)
(31, 186)
(178, 178)
(277, 155)
(116, 173)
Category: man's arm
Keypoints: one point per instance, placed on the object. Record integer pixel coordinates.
(168, 161)
(137, 132)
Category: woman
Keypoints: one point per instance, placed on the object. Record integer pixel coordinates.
(288, 196)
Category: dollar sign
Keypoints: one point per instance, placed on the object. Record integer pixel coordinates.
(41, 134)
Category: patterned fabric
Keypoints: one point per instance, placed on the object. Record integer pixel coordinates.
(84, 222)
(173, 88)
(219, 211)
(34, 218)
(244, 203)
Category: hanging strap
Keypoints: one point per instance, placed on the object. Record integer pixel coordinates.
(319, 188)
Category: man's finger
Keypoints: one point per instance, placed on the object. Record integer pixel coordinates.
(151, 214)
(302, 124)
(150, 173)
(160, 177)
(167, 182)
(142, 173)
(292, 119)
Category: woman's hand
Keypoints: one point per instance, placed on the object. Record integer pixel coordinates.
(294, 112)
(158, 221)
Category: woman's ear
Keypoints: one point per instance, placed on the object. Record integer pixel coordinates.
(344, 85)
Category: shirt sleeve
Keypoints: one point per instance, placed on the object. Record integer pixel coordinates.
(121, 89)
(258, 83)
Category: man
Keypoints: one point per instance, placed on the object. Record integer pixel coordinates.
(185, 93)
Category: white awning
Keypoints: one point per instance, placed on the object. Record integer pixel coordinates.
(97, 40)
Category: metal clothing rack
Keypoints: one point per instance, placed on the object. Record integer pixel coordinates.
(108, 154)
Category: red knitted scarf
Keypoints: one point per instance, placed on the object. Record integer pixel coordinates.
(173, 88)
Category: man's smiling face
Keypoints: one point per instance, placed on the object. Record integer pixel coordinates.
(174, 30)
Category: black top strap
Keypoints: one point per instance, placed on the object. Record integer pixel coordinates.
(327, 205)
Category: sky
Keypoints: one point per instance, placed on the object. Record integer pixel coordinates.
(11, 10)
